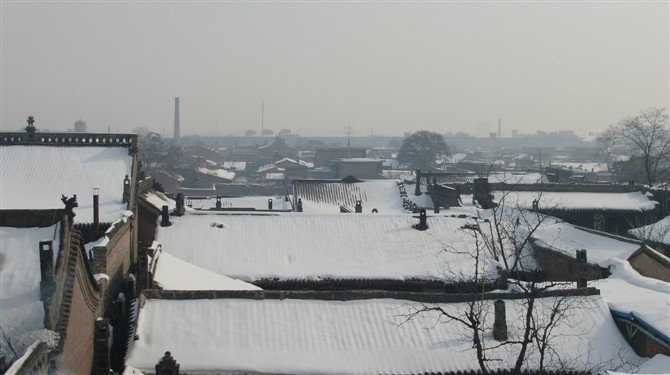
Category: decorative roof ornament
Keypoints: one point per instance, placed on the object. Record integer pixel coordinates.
(30, 129)
(70, 204)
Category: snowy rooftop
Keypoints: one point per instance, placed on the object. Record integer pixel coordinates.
(634, 201)
(349, 337)
(567, 238)
(304, 246)
(34, 177)
(220, 173)
(628, 292)
(21, 311)
(327, 196)
(657, 232)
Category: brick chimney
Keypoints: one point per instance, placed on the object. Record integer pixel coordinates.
(48, 281)
(180, 209)
(581, 268)
(101, 347)
(96, 212)
(167, 365)
(359, 206)
(126, 190)
(165, 217)
(500, 323)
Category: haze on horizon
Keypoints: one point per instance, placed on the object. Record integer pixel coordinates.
(392, 67)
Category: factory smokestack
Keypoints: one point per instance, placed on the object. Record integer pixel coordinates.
(176, 120)
(499, 128)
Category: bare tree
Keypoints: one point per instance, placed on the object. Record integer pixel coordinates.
(608, 141)
(505, 233)
(648, 136)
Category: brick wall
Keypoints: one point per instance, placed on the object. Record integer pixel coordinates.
(77, 354)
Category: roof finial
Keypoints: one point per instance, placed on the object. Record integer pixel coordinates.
(30, 129)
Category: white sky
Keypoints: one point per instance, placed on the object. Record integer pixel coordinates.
(393, 67)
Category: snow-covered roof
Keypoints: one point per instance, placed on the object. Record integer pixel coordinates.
(657, 232)
(307, 246)
(567, 238)
(21, 311)
(351, 337)
(175, 274)
(634, 201)
(35, 177)
(237, 165)
(629, 293)
(255, 202)
(220, 173)
(327, 196)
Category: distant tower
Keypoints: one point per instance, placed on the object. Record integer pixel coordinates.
(176, 120)
(499, 128)
(80, 127)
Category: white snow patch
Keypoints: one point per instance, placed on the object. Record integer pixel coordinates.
(175, 274)
(21, 311)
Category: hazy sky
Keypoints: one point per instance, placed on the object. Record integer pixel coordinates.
(387, 66)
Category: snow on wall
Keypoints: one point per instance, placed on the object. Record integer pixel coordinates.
(635, 201)
(352, 337)
(304, 246)
(34, 177)
(21, 311)
(256, 202)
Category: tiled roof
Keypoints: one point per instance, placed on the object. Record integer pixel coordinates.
(35, 177)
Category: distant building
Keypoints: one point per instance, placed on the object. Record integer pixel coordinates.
(80, 127)
(362, 168)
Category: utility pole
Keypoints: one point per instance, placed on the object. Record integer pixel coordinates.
(348, 136)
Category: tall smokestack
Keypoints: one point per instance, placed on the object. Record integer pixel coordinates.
(499, 128)
(176, 119)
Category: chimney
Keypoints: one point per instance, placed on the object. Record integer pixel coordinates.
(499, 128)
(269, 203)
(423, 220)
(581, 268)
(167, 365)
(165, 217)
(359, 207)
(417, 188)
(176, 120)
(500, 323)
(126, 190)
(47, 283)
(299, 209)
(131, 286)
(101, 347)
(96, 212)
(179, 200)
(143, 272)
